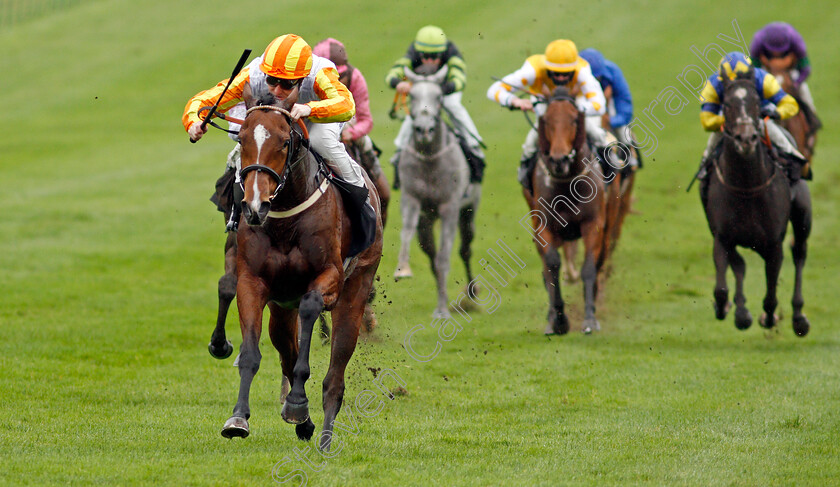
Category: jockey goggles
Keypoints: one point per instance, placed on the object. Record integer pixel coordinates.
(431, 55)
(286, 84)
(560, 78)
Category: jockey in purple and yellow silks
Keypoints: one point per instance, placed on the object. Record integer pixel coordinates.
(780, 41)
(775, 104)
(539, 75)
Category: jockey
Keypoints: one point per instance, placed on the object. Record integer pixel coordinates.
(617, 94)
(780, 40)
(324, 103)
(775, 104)
(357, 129)
(432, 48)
(539, 75)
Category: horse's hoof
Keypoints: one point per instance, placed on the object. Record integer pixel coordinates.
(801, 325)
(558, 324)
(236, 427)
(743, 318)
(403, 273)
(768, 321)
(590, 325)
(295, 413)
(443, 314)
(304, 430)
(721, 312)
(221, 353)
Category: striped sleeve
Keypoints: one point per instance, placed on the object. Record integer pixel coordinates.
(397, 72)
(457, 73)
(207, 98)
(336, 104)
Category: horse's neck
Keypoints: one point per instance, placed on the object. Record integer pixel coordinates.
(301, 181)
(745, 172)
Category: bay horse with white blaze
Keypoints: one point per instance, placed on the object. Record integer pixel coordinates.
(557, 180)
(293, 257)
(747, 201)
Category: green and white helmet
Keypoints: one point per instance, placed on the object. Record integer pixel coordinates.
(430, 39)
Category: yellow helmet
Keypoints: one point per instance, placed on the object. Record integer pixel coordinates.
(430, 39)
(562, 56)
(287, 57)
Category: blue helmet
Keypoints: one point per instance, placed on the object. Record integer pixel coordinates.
(734, 63)
(596, 61)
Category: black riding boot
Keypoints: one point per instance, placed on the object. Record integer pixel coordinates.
(362, 216)
(236, 209)
(526, 170)
(475, 161)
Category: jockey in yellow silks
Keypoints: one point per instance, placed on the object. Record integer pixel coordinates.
(539, 75)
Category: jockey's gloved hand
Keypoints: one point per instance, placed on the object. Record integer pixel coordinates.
(770, 112)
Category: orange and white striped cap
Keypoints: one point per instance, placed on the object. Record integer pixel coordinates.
(287, 57)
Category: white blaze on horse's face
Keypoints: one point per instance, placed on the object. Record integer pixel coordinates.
(741, 94)
(261, 134)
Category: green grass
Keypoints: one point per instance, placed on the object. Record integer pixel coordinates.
(110, 254)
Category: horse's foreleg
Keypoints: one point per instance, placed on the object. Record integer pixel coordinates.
(220, 347)
(448, 228)
(558, 322)
(800, 217)
(772, 265)
(410, 210)
(743, 318)
(283, 330)
(721, 293)
(594, 235)
(253, 296)
(347, 319)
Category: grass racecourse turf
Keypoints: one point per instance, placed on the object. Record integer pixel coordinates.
(110, 254)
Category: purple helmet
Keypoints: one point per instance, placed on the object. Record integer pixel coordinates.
(777, 37)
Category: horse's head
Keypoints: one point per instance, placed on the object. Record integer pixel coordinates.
(266, 139)
(426, 101)
(562, 134)
(741, 106)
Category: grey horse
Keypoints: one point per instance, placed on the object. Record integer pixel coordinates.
(435, 184)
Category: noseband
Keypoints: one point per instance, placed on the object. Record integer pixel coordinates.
(292, 143)
(570, 157)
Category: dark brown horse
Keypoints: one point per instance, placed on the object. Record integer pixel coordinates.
(292, 256)
(747, 204)
(568, 203)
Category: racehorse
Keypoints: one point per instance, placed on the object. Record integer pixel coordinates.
(563, 211)
(292, 255)
(435, 184)
(804, 125)
(748, 204)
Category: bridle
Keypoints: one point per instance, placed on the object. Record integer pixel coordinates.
(293, 142)
(572, 155)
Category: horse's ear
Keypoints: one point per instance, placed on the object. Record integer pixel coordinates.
(290, 100)
(411, 76)
(440, 76)
(248, 96)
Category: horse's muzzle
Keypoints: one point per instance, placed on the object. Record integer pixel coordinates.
(255, 218)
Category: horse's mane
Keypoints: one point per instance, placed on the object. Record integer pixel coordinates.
(265, 99)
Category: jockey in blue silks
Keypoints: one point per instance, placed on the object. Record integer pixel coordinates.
(617, 92)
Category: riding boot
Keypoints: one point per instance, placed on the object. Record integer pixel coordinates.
(395, 160)
(526, 170)
(236, 209)
(606, 168)
(475, 160)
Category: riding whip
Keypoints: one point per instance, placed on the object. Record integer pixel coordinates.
(236, 70)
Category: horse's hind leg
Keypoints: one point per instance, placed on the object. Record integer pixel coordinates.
(570, 271)
(448, 227)
(721, 258)
(466, 228)
(743, 318)
(220, 347)
(347, 318)
(252, 299)
(426, 238)
(772, 266)
(800, 217)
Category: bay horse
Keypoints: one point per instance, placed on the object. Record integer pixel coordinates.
(804, 125)
(561, 212)
(292, 256)
(748, 204)
(435, 185)
(374, 172)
